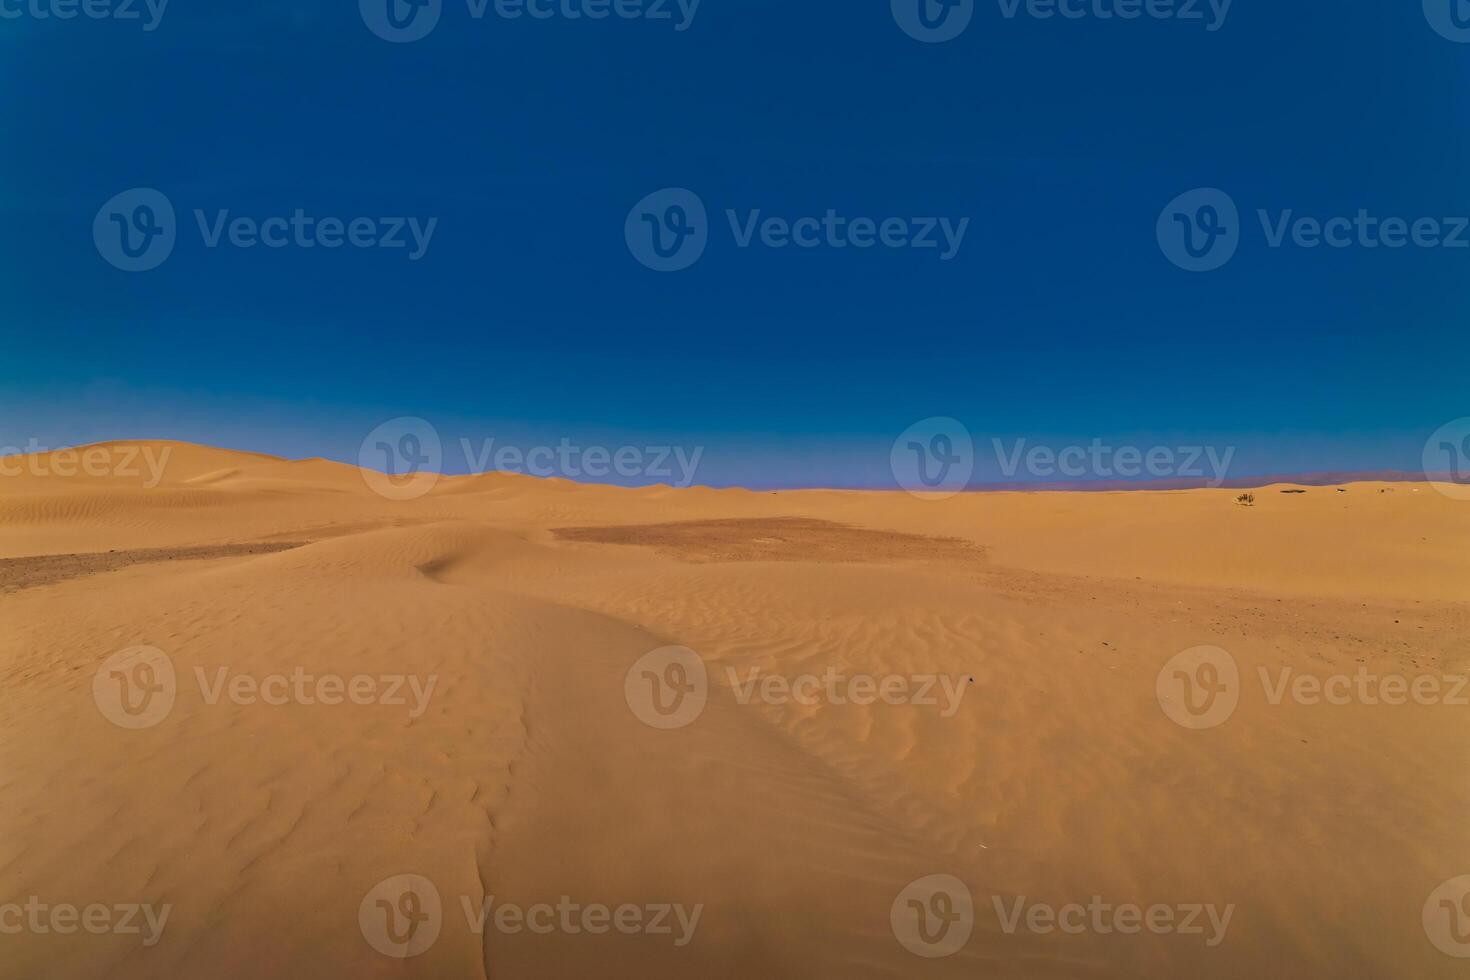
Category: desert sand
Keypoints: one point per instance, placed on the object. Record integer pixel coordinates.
(525, 773)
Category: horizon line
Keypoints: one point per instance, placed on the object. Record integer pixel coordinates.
(1309, 478)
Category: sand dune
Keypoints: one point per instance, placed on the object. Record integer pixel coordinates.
(528, 751)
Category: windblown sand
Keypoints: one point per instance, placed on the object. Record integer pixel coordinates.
(528, 777)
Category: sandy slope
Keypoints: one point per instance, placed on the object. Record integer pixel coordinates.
(525, 774)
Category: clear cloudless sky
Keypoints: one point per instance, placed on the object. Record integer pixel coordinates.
(528, 319)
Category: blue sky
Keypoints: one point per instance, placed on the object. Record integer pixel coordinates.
(528, 319)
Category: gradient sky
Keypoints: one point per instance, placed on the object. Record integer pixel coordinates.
(529, 321)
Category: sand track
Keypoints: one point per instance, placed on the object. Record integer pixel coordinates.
(775, 539)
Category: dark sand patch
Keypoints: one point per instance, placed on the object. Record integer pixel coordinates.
(776, 539)
(37, 570)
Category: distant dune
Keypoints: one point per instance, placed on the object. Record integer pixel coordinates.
(1325, 479)
(1046, 766)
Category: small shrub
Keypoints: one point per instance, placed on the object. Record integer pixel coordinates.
(1246, 499)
